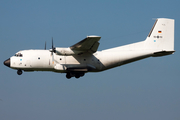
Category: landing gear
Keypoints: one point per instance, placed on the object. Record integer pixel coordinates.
(77, 75)
(74, 74)
(68, 75)
(19, 72)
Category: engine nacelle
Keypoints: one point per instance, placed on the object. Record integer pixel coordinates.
(66, 51)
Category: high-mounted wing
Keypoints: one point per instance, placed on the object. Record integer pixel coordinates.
(89, 44)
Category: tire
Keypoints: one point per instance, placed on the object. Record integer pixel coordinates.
(68, 76)
(77, 75)
(19, 72)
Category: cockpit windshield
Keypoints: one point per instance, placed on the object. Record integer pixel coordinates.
(18, 55)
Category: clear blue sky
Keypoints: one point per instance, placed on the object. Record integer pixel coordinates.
(143, 90)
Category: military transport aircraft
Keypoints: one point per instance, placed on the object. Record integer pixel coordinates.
(83, 57)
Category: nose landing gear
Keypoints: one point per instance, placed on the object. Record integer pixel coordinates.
(19, 72)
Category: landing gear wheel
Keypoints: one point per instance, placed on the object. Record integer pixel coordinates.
(19, 72)
(74, 74)
(81, 74)
(68, 76)
(77, 75)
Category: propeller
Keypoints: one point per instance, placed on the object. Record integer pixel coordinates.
(53, 50)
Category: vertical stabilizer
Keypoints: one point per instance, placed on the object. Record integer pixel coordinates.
(161, 36)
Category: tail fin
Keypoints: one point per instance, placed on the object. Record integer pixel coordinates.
(161, 36)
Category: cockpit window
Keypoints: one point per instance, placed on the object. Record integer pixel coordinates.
(18, 55)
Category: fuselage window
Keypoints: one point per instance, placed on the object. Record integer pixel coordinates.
(39, 58)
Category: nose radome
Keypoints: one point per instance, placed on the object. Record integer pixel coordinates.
(7, 62)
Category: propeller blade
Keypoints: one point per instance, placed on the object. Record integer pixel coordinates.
(45, 46)
(53, 48)
(52, 44)
(53, 51)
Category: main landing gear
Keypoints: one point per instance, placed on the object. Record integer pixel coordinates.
(74, 74)
(19, 72)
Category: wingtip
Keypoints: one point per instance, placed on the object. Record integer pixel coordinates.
(92, 36)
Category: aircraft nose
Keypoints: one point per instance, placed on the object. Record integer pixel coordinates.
(7, 62)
